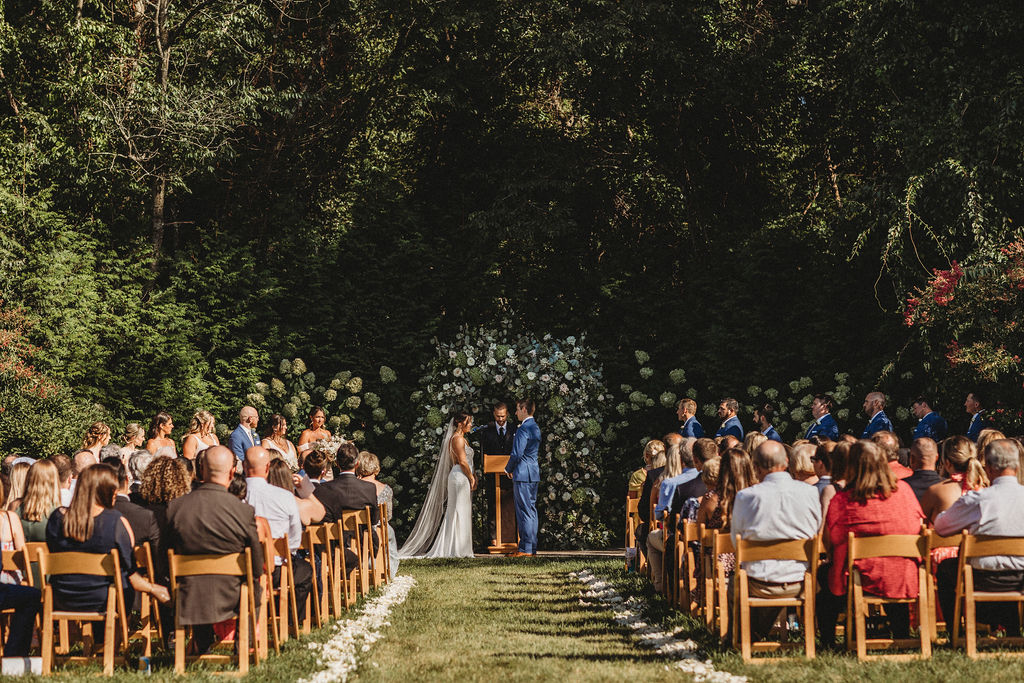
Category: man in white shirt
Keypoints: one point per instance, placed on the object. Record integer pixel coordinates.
(777, 509)
(993, 511)
(281, 511)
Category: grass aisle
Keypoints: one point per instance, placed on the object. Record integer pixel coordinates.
(499, 619)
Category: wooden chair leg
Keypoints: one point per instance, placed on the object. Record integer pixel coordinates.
(46, 639)
(109, 639)
(809, 617)
(242, 636)
(179, 645)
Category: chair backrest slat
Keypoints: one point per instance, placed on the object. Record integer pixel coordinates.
(936, 541)
(216, 565)
(722, 542)
(911, 546)
(691, 532)
(90, 564)
(803, 550)
(984, 546)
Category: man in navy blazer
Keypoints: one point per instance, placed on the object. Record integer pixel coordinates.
(524, 470)
(929, 423)
(727, 409)
(686, 410)
(874, 406)
(824, 424)
(974, 406)
(763, 415)
(244, 437)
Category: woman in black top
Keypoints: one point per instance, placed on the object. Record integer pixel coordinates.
(91, 525)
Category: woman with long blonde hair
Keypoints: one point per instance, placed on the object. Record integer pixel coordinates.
(16, 488)
(42, 497)
(959, 462)
(96, 438)
(199, 435)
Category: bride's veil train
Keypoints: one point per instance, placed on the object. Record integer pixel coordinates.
(432, 512)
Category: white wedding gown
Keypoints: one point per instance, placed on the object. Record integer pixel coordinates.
(444, 527)
(455, 537)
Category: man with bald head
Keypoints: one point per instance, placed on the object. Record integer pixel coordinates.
(211, 521)
(890, 445)
(924, 455)
(874, 407)
(244, 436)
(778, 509)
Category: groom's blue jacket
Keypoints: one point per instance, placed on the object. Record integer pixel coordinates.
(522, 464)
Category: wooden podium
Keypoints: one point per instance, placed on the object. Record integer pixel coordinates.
(506, 535)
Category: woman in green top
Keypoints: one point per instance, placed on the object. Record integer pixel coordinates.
(42, 496)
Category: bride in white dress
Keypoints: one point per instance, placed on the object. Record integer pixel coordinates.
(440, 530)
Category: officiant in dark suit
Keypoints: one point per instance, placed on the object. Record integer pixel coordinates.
(496, 439)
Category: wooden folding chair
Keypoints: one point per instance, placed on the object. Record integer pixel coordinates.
(936, 541)
(149, 614)
(284, 611)
(685, 562)
(356, 523)
(721, 544)
(972, 548)
(15, 561)
(707, 607)
(632, 522)
(382, 559)
(114, 618)
(914, 547)
(234, 564)
(316, 541)
(803, 550)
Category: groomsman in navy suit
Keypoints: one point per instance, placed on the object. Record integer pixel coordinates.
(929, 423)
(763, 415)
(686, 411)
(522, 467)
(874, 405)
(973, 405)
(824, 424)
(731, 426)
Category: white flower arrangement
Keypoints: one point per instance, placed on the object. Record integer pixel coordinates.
(629, 613)
(339, 655)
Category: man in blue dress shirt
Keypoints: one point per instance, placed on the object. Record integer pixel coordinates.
(824, 424)
(727, 409)
(974, 407)
(686, 411)
(874, 405)
(929, 423)
(763, 415)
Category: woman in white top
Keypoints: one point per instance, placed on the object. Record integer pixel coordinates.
(315, 431)
(200, 435)
(96, 438)
(276, 441)
(160, 442)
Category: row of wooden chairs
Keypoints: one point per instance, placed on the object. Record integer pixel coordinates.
(696, 546)
(274, 620)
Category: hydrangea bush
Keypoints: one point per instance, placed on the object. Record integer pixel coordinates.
(484, 365)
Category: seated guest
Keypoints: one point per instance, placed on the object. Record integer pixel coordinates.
(313, 466)
(81, 461)
(924, 455)
(210, 521)
(686, 411)
(65, 476)
(348, 492)
(678, 469)
(986, 437)
(367, 469)
(964, 473)
(42, 497)
(930, 424)
(727, 409)
(874, 407)
(993, 511)
(840, 454)
(777, 509)
(801, 464)
(279, 474)
(824, 424)
(763, 416)
(25, 601)
(92, 525)
(874, 503)
(735, 474)
(890, 445)
(138, 461)
(752, 440)
(281, 510)
(822, 461)
(649, 491)
(686, 498)
(16, 485)
(141, 520)
(636, 480)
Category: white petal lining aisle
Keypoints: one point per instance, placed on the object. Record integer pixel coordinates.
(628, 613)
(338, 654)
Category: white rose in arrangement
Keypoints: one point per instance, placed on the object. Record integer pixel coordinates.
(492, 361)
(444, 409)
(563, 388)
(531, 376)
(437, 431)
(452, 354)
(559, 476)
(567, 496)
(470, 361)
(457, 372)
(545, 378)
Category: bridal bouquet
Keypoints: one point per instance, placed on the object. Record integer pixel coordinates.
(329, 446)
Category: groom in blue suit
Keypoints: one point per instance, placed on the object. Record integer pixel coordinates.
(524, 470)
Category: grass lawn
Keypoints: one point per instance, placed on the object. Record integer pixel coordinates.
(520, 620)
